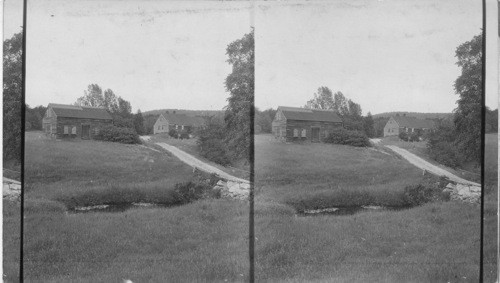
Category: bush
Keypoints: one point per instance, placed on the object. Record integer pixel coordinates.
(211, 142)
(445, 153)
(117, 134)
(172, 133)
(184, 136)
(189, 191)
(346, 137)
(403, 136)
(418, 194)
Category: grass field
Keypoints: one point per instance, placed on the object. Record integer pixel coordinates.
(238, 168)
(437, 241)
(490, 208)
(206, 239)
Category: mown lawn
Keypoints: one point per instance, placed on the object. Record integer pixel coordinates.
(11, 240)
(437, 241)
(239, 168)
(202, 240)
(490, 236)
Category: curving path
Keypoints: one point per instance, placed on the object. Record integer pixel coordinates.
(193, 161)
(422, 164)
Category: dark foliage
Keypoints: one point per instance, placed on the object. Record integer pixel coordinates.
(139, 123)
(491, 121)
(12, 92)
(264, 119)
(34, 117)
(211, 141)
(118, 134)
(419, 194)
(240, 85)
(346, 137)
(441, 145)
(468, 86)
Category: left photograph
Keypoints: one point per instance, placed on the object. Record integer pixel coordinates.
(137, 141)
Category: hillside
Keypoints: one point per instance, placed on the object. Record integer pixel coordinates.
(184, 111)
(414, 114)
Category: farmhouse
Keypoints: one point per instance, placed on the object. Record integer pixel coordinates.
(70, 121)
(398, 124)
(300, 124)
(181, 123)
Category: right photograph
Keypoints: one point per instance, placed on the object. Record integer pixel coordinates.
(368, 134)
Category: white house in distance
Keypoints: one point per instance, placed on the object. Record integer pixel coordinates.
(181, 123)
(398, 124)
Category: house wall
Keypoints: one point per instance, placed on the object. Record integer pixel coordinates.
(161, 125)
(49, 122)
(325, 128)
(94, 124)
(391, 128)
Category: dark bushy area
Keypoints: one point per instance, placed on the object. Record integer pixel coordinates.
(211, 142)
(346, 137)
(118, 134)
(410, 137)
(441, 145)
(419, 194)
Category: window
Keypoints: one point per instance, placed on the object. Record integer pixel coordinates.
(66, 130)
(303, 133)
(295, 133)
(176, 127)
(96, 131)
(182, 127)
(73, 130)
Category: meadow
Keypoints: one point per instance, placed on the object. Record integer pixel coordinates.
(490, 237)
(205, 239)
(438, 241)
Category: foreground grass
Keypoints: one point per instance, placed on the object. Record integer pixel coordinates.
(238, 169)
(11, 240)
(490, 237)
(206, 239)
(434, 242)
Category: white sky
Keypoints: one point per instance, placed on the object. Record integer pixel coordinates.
(155, 54)
(387, 55)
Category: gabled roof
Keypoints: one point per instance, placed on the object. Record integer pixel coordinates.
(183, 119)
(83, 112)
(304, 114)
(412, 122)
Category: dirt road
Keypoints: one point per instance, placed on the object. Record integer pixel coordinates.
(193, 161)
(422, 164)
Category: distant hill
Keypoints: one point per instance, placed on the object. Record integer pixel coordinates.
(191, 113)
(418, 115)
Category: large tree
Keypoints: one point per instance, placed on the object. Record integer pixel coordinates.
(92, 97)
(240, 84)
(12, 97)
(323, 99)
(468, 86)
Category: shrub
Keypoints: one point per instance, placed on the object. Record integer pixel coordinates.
(403, 136)
(172, 133)
(346, 137)
(445, 153)
(189, 191)
(211, 142)
(184, 136)
(117, 134)
(418, 194)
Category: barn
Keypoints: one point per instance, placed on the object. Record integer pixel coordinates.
(301, 124)
(181, 123)
(403, 123)
(71, 121)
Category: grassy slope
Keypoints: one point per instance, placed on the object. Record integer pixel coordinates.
(239, 169)
(490, 208)
(437, 241)
(205, 239)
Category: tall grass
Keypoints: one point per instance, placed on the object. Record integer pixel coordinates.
(437, 241)
(201, 240)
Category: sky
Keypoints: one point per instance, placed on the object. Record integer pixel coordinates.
(386, 55)
(389, 55)
(155, 54)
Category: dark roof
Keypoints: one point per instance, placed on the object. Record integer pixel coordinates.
(83, 112)
(303, 114)
(412, 122)
(183, 119)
